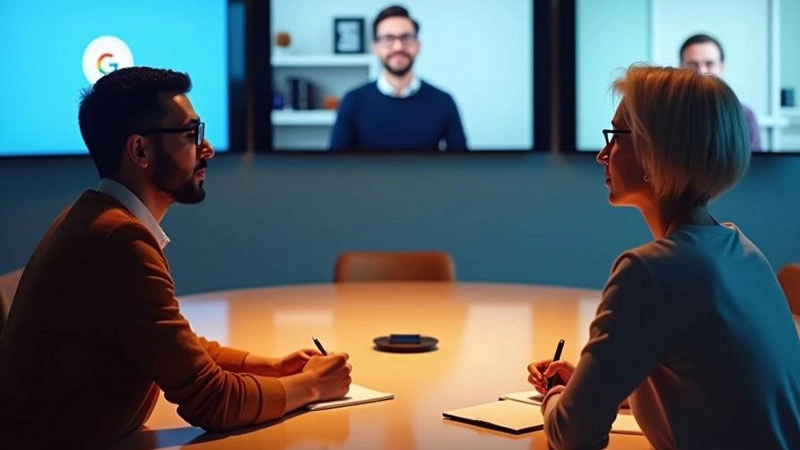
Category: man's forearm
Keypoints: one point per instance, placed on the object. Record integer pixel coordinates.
(260, 365)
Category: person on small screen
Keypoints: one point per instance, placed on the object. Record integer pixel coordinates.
(95, 330)
(704, 54)
(399, 111)
(693, 328)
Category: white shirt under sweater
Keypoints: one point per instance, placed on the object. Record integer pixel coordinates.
(696, 329)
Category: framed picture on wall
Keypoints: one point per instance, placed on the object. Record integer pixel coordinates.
(348, 35)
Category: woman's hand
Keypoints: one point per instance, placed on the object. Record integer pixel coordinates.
(540, 371)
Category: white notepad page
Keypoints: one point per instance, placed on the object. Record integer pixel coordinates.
(529, 397)
(356, 395)
(625, 424)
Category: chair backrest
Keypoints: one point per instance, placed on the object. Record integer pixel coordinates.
(789, 278)
(394, 266)
(8, 287)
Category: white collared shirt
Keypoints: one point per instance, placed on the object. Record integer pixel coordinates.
(388, 90)
(132, 203)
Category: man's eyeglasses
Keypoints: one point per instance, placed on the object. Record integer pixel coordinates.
(609, 134)
(198, 128)
(387, 40)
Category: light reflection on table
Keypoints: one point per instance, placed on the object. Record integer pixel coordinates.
(488, 333)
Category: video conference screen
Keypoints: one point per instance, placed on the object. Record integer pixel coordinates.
(326, 66)
(760, 61)
(53, 49)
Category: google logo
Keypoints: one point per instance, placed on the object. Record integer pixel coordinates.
(104, 55)
(113, 65)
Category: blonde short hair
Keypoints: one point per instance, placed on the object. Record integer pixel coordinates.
(689, 131)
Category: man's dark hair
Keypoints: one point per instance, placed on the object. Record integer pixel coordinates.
(701, 39)
(120, 104)
(392, 11)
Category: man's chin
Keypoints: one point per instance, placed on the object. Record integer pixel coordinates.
(398, 71)
(190, 197)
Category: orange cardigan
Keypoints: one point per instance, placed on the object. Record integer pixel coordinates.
(95, 330)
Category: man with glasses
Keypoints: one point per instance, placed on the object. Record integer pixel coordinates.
(95, 331)
(703, 54)
(398, 111)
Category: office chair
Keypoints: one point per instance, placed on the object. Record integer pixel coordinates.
(789, 278)
(394, 266)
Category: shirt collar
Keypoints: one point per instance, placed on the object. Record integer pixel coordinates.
(132, 203)
(387, 89)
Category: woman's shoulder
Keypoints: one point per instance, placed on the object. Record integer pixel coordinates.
(695, 251)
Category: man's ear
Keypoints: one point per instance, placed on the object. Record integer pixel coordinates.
(137, 150)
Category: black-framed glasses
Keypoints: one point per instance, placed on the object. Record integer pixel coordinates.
(609, 134)
(387, 40)
(199, 129)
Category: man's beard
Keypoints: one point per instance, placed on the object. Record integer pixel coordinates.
(183, 191)
(399, 72)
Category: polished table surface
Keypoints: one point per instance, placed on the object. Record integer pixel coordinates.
(488, 333)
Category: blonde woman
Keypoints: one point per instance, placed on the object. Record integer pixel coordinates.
(693, 328)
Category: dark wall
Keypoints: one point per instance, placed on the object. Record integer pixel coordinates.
(283, 218)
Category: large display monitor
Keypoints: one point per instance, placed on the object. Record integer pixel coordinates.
(53, 49)
(481, 53)
(757, 38)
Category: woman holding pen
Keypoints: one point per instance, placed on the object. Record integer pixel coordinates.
(693, 328)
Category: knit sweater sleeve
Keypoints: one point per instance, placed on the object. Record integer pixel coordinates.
(454, 134)
(627, 340)
(228, 358)
(144, 321)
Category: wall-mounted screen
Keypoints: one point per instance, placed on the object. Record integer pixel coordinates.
(758, 59)
(334, 83)
(53, 49)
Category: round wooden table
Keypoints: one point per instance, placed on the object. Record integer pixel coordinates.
(488, 333)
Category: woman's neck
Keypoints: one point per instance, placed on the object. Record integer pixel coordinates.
(666, 216)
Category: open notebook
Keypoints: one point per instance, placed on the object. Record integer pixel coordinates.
(356, 395)
(522, 414)
(511, 417)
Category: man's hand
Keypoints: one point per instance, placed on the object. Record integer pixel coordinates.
(294, 362)
(290, 364)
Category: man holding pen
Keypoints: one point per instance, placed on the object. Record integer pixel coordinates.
(96, 332)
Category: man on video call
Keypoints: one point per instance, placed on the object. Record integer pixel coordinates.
(399, 111)
(704, 54)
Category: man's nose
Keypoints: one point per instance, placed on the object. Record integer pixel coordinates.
(206, 150)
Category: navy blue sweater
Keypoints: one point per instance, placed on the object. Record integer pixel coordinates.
(369, 120)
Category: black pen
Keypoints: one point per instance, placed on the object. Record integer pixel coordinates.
(324, 353)
(556, 357)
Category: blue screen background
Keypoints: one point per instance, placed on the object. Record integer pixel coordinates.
(41, 51)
